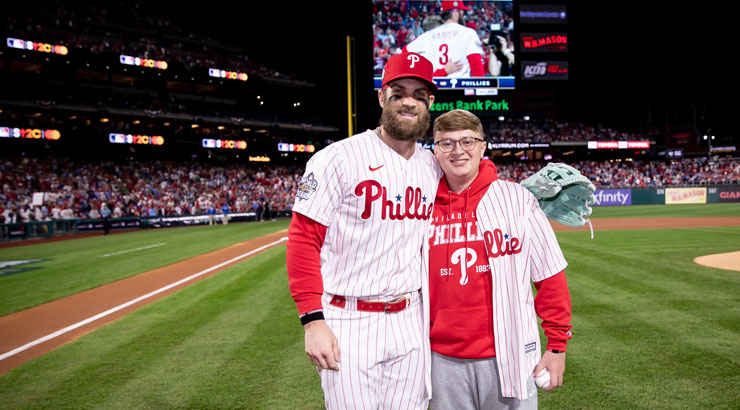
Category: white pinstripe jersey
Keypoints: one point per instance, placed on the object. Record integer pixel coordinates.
(447, 43)
(376, 205)
(521, 248)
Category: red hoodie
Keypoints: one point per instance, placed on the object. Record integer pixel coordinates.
(460, 298)
(461, 305)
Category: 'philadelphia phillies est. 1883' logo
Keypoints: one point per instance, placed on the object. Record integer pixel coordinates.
(414, 204)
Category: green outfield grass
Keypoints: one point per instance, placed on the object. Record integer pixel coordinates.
(662, 211)
(651, 329)
(69, 267)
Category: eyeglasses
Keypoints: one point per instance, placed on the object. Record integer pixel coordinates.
(467, 144)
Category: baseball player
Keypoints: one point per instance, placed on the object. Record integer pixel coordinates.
(354, 256)
(451, 45)
(488, 241)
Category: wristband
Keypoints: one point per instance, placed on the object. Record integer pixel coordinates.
(309, 317)
(556, 351)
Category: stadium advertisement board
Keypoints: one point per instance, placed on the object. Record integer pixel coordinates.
(544, 70)
(224, 144)
(189, 220)
(729, 194)
(606, 197)
(544, 42)
(97, 224)
(618, 144)
(543, 14)
(518, 145)
(29, 133)
(685, 196)
(115, 138)
(143, 62)
(37, 46)
(231, 75)
(648, 196)
(285, 147)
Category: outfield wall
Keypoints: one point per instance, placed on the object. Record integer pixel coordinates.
(47, 229)
(668, 196)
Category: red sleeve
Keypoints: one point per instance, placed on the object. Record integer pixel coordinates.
(476, 65)
(305, 238)
(552, 304)
(440, 73)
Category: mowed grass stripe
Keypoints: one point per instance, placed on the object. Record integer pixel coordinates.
(661, 334)
(244, 303)
(73, 266)
(224, 342)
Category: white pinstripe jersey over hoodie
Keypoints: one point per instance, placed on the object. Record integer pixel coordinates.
(376, 205)
(522, 249)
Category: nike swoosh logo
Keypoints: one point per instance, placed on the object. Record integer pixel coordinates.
(375, 169)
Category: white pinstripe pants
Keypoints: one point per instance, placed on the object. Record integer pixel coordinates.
(382, 359)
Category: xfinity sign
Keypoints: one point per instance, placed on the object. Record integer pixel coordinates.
(613, 197)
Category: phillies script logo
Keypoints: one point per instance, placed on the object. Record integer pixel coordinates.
(500, 244)
(413, 205)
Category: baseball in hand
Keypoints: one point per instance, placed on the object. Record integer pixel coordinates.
(543, 379)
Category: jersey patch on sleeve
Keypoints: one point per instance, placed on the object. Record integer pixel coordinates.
(307, 187)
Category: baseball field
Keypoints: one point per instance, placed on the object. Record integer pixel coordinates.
(651, 328)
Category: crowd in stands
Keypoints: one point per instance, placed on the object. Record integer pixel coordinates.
(546, 130)
(518, 130)
(398, 23)
(124, 28)
(69, 190)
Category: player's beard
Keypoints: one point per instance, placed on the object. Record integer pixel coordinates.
(404, 130)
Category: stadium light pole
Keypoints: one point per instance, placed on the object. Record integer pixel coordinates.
(709, 137)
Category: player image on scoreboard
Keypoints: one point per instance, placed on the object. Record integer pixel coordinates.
(470, 44)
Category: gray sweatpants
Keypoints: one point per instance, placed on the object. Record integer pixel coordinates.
(472, 384)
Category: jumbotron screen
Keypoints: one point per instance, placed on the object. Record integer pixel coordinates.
(471, 48)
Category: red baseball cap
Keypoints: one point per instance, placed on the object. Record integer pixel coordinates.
(409, 65)
(451, 5)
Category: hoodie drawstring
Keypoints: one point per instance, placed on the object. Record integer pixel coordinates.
(465, 225)
(449, 232)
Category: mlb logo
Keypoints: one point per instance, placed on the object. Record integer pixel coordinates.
(15, 43)
(4, 132)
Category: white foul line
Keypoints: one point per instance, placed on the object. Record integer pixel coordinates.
(131, 302)
(132, 250)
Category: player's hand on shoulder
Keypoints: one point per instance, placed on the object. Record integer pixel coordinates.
(322, 347)
(453, 67)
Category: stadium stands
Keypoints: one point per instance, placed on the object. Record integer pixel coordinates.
(74, 189)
